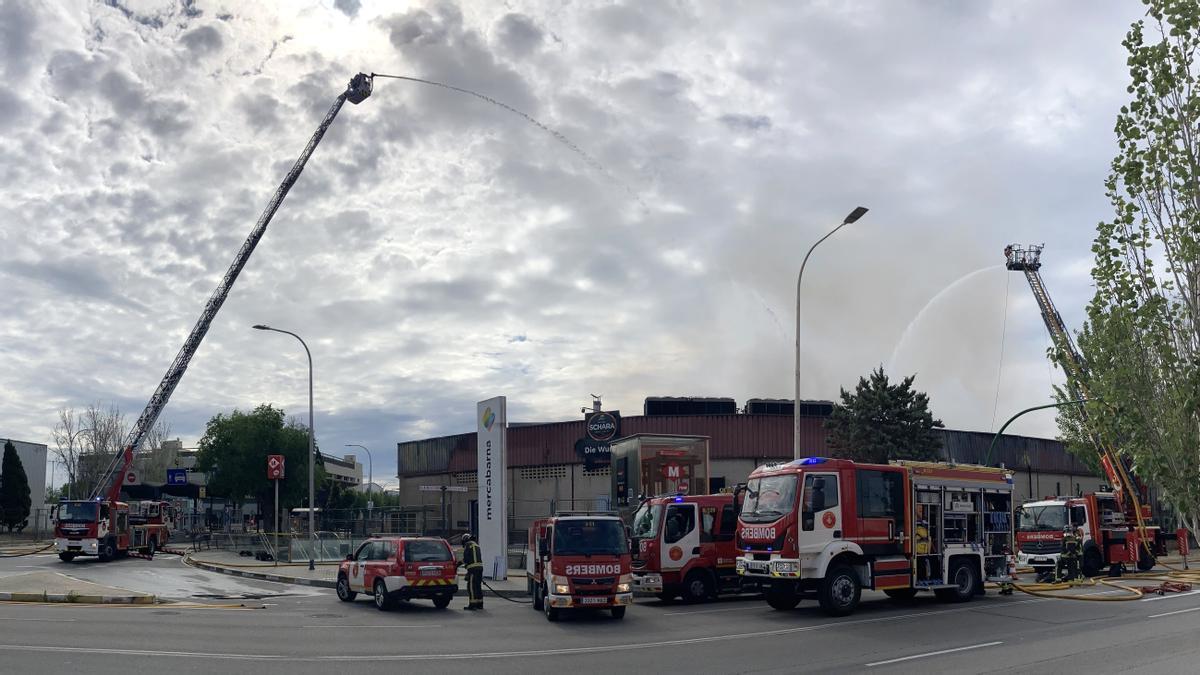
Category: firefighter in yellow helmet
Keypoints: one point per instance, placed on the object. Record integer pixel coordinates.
(473, 561)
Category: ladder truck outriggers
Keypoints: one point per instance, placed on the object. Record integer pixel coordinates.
(830, 528)
(106, 527)
(1113, 527)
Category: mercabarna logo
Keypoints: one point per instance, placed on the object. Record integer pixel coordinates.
(488, 419)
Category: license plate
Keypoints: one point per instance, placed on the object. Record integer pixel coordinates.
(74, 548)
(431, 572)
(757, 566)
(593, 601)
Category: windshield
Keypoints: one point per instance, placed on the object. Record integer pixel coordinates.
(77, 512)
(645, 521)
(589, 537)
(1041, 518)
(416, 550)
(769, 498)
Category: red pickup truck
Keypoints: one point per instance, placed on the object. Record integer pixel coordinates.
(399, 568)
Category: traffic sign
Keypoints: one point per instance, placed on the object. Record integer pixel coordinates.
(443, 488)
(274, 467)
(131, 478)
(176, 476)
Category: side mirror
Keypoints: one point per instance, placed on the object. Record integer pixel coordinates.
(543, 549)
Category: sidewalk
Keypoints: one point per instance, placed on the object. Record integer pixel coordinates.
(325, 574)
(56, 587)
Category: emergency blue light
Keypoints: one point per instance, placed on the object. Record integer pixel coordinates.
(679, 499)
(812, 460)
(768, 548)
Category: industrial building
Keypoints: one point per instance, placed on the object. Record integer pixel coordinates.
(545, 471)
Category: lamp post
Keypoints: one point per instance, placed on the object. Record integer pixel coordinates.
(311, 442)
(987, 459)
(853, 216)
(370, 465)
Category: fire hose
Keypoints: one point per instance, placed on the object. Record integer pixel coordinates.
(47, 547)
(1173, 581)
(502, 595)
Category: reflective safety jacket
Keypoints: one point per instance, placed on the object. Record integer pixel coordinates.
(472, 556)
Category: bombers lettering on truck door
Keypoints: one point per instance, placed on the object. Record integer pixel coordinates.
(759, 533)
(573, 570)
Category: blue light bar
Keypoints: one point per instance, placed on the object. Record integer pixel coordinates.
(807, 461)
(679, 499)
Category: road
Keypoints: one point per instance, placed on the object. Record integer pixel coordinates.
(304, 630)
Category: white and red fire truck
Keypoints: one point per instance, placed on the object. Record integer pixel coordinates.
(1107, 541)
(683, 546)
(830, 528)
(579, 560)
(395, 569)
(107, 528)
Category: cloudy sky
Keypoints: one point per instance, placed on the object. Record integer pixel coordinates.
(439, 250)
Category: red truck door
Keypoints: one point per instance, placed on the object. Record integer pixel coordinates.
(881, 505)
(681, 536)
(820, 510)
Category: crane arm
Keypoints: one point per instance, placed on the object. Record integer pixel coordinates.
(112, 479)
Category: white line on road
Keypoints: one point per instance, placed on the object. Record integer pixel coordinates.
(343, 626)
(1180, 611)
(937, 653)
(713, 611)
(1169, 597)
(14, 618)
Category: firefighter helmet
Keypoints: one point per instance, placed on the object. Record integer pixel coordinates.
(467, 537)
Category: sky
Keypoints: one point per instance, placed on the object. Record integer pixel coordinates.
(439, 250)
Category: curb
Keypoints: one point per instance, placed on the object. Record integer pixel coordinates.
(79, 599)
(319, 583)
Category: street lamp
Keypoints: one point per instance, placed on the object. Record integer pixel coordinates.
(311, 443)
(854, 215)
(370, 464)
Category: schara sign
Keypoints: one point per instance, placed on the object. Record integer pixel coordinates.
(594, 449)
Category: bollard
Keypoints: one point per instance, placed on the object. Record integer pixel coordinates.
(1181, 539)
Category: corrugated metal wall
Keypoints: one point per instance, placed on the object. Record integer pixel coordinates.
(1038, 454)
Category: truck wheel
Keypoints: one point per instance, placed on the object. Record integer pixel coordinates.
(535, 592)
(901, 594)
(697, 587)
(1145, 562)
(840, 591)
(107, 551)
(442, 601)
(66, 557)
(383, 599)
(618, 612)
(551, 612)
(964, 577)
(782, 599)
(343, 589)
(1093, 563)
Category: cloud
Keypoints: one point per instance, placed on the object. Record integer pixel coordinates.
(518, 34)
(348, 7)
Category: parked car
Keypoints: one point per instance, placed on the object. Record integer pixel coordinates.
(397, 569)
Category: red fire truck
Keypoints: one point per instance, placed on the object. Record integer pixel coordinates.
(579, 560)
(683, 545)
(109, 528)
(830, 528)
(1107, 540)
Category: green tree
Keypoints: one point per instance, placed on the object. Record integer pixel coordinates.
(882, 421)
(234, 452)
(14, 489)
(1141, 340)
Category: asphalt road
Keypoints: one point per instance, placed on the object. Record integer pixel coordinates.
(304, 630)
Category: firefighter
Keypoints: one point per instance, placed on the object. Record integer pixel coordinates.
(473, 561)
(1068, 561)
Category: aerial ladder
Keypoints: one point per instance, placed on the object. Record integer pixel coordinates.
(1130, 491)
(108, 488)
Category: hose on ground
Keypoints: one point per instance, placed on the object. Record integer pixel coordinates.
(502, 595)
(35, 551)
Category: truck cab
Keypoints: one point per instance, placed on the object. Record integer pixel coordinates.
(684, 546)
(1106, 539)
(579, 560)
(90, 528)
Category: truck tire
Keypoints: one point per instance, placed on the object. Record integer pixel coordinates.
(535, 592)
(383, 600)
(901, 594)
(1093, 562)
(107, 551)
(840, 590)
(618, 612)
(965, 578)
(442, 601)
(551, 612)
(782, 598)
(343, 589)
(697, 587)
(66, 557)
(1145, 562)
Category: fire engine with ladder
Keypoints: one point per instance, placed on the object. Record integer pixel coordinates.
(1115, 526)
(830, 528)
(103, 525)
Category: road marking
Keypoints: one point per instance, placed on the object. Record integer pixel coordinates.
(937, 653)
(14, 618)
(1172, 596)
(713, 611)
(345, 626)
(1180, 611)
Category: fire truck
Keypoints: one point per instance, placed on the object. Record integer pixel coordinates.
(579, 560)
(1106, 539)
(107, 528)
(829, 528)
(683, 546)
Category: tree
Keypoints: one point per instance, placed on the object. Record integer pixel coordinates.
(882, 421)
(1141, 339)
(234, 452)
(14, 489)
(86, 443)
